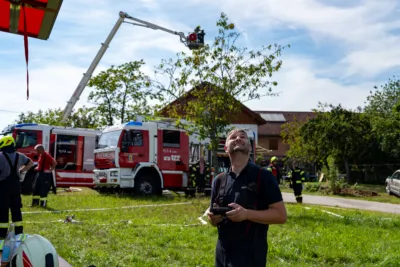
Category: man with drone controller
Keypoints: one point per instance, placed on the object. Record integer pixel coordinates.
(244, 201)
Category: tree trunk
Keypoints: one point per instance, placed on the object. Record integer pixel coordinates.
(123, 106)
(326, 164)
(215, 162)
(347, 166)
(214, 147)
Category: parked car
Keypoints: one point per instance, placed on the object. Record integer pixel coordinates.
(393, 183)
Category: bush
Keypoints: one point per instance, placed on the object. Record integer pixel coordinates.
(311, 187)
(336, 183)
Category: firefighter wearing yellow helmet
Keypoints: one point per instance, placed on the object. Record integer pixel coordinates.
(274, 168)
(12, 164)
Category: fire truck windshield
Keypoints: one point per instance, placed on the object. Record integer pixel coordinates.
(109, 139)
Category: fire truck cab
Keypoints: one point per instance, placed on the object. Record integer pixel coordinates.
(72, 148)
(152, 156)
(147, 157)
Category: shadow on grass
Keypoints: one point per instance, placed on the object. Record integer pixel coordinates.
(167, 195)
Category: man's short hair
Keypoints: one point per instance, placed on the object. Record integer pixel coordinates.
(39, 146)
(237, 130)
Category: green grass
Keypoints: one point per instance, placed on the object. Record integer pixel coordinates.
(380, 189)
(174, 236)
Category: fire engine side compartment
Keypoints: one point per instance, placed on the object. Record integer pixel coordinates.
(173, 157)
(74, 152)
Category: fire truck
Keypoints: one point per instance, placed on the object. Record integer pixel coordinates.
(148, 157)
(72, 148)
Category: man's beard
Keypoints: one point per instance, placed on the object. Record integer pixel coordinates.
(241, 149)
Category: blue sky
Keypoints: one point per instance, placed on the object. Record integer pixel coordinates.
(339, 51)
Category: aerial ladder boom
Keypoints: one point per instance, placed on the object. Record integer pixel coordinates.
(194, 40)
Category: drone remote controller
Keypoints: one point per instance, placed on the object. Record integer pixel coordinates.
(220, 210)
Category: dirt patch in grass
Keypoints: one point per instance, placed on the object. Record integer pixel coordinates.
(357, 192)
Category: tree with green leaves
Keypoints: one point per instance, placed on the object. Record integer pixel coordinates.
(342, 133)
(383, 108)
(81, 118)
(220, 75)
(300, 150)
(120, 93)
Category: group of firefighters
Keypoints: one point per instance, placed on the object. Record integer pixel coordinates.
(12, 164)
(296, 177)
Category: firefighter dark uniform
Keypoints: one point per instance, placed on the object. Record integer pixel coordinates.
(10, 190)
(43, 181)
(199, 177)
(297, 179)
(242, 244)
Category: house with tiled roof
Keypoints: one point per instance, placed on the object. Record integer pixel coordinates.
(269, 134)
(245, 118)
(266, 124)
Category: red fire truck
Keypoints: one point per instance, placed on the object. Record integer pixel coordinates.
(72, 148)
(147, 157)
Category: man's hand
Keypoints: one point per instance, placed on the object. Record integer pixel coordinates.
(36, 169)
(238, 214)
(214, 219)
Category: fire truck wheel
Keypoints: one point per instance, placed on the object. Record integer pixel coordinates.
(145, 186)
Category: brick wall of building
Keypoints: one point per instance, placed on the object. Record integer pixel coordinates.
(265, 142)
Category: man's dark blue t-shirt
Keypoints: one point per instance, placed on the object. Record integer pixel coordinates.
(236, 190)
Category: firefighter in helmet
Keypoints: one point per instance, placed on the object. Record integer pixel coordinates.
(297, 179)
(274, 168)
(12, 164)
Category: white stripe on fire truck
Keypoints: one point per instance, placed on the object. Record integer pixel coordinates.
(74, 175)
(76, 184)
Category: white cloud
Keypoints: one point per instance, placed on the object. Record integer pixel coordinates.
(363, 31)
(49, 88)
(301, 90)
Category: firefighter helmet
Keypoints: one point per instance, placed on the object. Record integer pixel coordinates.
(274, 158)
(34, 251)
(7, 141)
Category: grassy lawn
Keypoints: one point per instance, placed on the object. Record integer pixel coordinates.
(174, 236)
(381, 196)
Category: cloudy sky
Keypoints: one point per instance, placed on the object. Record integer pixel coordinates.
(339, 49)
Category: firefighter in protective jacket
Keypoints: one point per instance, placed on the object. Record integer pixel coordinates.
(297, 180)
(272, 167)
(12, 164)
(200, 173)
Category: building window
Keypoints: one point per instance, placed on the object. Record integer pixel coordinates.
(273, 144)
